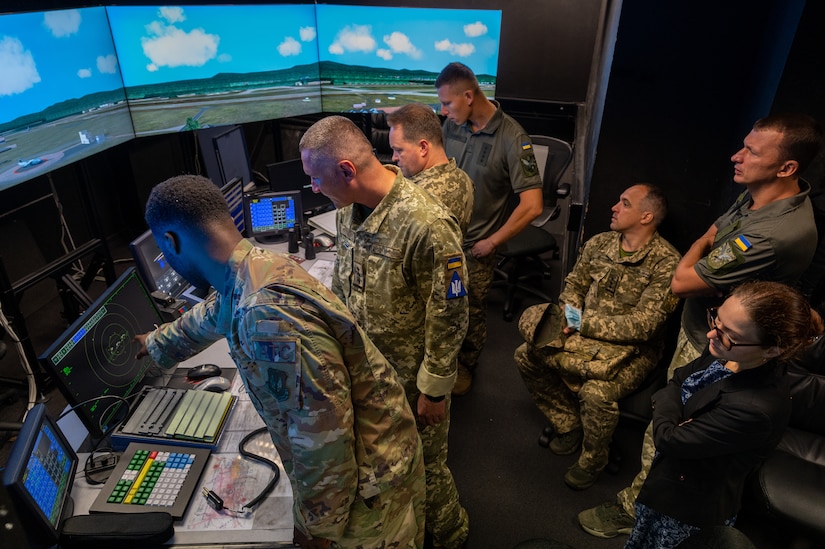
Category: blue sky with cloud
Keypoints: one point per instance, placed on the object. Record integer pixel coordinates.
(49, 57)
(409, 38)
(167, 44)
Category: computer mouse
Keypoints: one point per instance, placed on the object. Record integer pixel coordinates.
(323, 241)
(203, 371)
(216, 384)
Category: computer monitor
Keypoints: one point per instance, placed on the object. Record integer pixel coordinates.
(233, 193)
(271, 215)
(153, 268)
(232, 156)
(39, 476)
(289, 176)
(95, 357)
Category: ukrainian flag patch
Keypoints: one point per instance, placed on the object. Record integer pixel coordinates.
(742, 243)
(452, 276)
(526, 146)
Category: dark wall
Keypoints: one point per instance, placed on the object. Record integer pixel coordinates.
(688, 80)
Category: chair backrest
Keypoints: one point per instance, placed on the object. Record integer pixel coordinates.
(553, 156)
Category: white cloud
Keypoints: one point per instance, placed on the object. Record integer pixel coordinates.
(384, 54)
(307, 34)
(353, 38)
(172, 14)
(224, 58)
(18, 71)
(458, 50)
(62, 23)
(172, 47)
(107, 64)
(84, 73)
(400, 43)
(475, 29)
(289, 46)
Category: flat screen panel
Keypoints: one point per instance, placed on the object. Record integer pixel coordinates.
(39, 475)
(271, 215)
(232, 156)
(95, 357)
(61, 94)
(376, 58)
(289, 176)
(191, 67)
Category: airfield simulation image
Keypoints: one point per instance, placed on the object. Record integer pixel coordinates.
(81, 80)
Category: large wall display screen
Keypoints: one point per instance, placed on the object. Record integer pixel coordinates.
(192, 67)
(376, 58)
(61, 94)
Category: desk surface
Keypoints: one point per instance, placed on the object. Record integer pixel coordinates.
(234, 478)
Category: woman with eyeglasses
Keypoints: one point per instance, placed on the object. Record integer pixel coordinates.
(720, 415)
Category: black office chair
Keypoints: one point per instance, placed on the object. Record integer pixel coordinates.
(520, 257)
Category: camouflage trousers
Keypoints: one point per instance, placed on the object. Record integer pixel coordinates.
(593, 407)
(479, 281)
(447, 520)
(393, 518)
(685, 353)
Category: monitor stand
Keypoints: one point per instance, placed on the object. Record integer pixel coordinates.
(272, 238)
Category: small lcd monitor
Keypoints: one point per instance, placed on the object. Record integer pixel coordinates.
(39, 477)
(156, 273)
(289, 176)
(270, 216)
(93, 362)
(232, 156)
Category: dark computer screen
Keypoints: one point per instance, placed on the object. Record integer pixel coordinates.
(289, 176)
(95, 356)
(233, 158)
(39, 475)
(271, 215)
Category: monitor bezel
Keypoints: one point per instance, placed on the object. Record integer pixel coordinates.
(82, 412)
(38, 526)
(274, 235)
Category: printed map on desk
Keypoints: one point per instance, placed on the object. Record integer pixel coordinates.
(322, 270)
(237, 480)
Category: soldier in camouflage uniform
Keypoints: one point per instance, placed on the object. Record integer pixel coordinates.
(497, 154)
(418, 149)
(400, 270)
(334, 406)
(616, 301)
(768, 233)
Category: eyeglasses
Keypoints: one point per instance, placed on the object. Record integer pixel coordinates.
(724, 338)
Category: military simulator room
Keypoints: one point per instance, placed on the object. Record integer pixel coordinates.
(99, 103)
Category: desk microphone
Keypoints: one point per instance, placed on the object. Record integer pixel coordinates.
(309, 245)
(293, 242)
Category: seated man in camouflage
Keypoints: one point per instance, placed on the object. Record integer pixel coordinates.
(615, 303)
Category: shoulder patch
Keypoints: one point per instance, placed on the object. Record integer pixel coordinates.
(529, 166)
(724, 256)
(455, 286)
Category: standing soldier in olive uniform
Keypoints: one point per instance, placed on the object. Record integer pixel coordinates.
(400, 270)
(497, 154)
(334, 406)
(418, 149)
(616, 301)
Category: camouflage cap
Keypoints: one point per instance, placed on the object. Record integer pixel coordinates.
(541, 325)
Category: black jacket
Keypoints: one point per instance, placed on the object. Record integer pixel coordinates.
(700, 469)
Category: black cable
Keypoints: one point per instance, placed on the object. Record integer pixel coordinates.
(255, 457)
(216, 502)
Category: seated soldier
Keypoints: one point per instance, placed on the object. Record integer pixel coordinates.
(616, 301)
